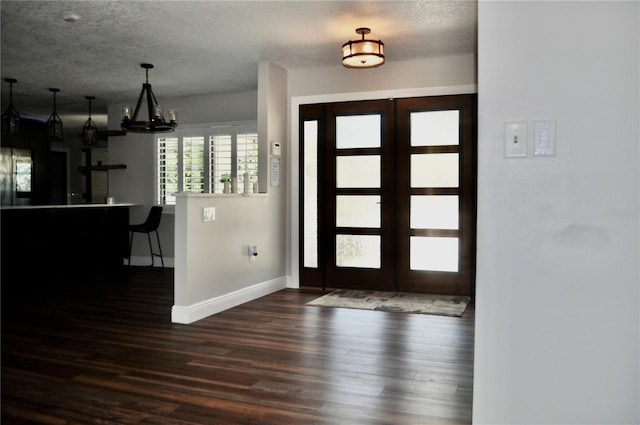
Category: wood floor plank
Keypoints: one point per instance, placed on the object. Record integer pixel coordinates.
(106, 352)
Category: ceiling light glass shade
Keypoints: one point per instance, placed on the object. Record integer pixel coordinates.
(363, 53)
(89, 129)
(155, 122)
(54, 123)
(10, 117)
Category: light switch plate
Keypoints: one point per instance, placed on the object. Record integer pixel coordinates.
(515, 139)
(208, 214)
(544, 138)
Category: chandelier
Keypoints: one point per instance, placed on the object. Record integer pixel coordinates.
(363, 53)
(155, 122)
(54, 123)
(89, 129)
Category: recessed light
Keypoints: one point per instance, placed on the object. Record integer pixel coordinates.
(71, 17)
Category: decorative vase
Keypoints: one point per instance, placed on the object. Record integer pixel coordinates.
(227, 187)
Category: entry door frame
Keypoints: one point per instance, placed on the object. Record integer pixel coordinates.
(293, 153)
(394, 273)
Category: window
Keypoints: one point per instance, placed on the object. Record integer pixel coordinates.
(199, 159)
(220, 154)
(193, 163)
(167, 170)
(247, 148)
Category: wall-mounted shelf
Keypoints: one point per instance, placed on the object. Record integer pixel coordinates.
(104, 135)
(110, 133)
(86, 171)
(102, 167)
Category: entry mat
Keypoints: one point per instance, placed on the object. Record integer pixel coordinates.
(399, 302)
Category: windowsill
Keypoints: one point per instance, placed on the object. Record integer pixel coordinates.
(218, 195)
(171, 209)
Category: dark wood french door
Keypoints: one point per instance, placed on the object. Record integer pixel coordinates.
(387, 191)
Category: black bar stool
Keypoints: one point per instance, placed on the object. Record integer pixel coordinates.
(150, 225)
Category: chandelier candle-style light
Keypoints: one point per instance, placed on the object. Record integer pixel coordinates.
(155, 122)
(89, 129)
(54, 123)
(363, 53)
(10, 117)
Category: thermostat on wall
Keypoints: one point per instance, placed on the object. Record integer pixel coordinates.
(275, 148)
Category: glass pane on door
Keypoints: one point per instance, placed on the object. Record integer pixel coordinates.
(310, 170)
(435, 128)
(358, 131)
(358, 171)
(358, 211)
(361, 251)
(434, 254)
(434, 212)
(434, 170)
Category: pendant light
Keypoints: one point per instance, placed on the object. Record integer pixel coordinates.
(363, 53)
(10, 117)
(89, 129)
(155, 122)
(54, 123)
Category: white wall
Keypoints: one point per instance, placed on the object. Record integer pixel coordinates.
(443, 71)
(212, 267)
(135, 183)
(557, 318)
(272, 127)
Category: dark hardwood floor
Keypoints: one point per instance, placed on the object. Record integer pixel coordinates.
(105, 352)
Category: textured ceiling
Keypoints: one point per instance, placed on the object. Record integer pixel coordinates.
(200, 47)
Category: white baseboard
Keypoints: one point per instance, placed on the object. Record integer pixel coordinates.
(194, 312)
(292, 284)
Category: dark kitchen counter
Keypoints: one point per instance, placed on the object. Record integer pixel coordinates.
(63, 241)
(66, 206)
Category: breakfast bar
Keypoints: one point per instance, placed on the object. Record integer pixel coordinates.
(54, 242)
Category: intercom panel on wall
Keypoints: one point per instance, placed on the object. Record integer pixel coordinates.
(275, 148)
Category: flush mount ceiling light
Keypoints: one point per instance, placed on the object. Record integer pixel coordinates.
(363, 53)
(10, 117)
(54, 123)
(155, 122)
(89, 129)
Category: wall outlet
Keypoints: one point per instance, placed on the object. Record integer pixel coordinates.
(253, 253)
